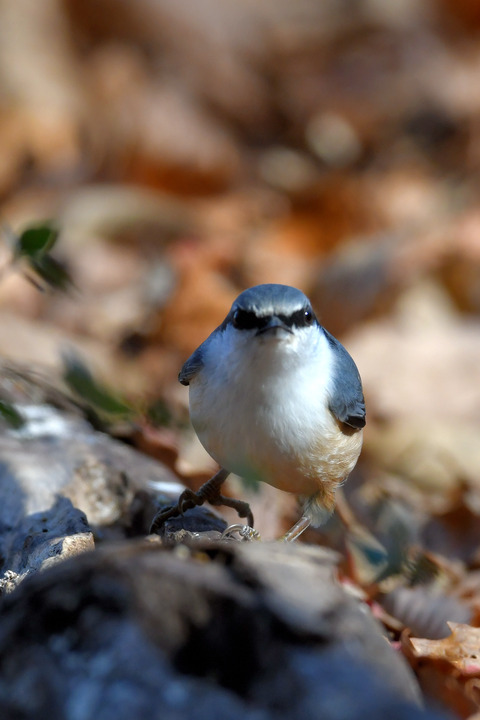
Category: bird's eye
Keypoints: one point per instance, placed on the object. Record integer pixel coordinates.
(244, 320)
(302, 318)
(308, 317)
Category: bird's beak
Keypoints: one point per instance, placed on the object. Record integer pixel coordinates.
(274, 326)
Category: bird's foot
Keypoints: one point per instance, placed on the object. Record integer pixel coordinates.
(208, 492)
(246, 533)
(187, 500)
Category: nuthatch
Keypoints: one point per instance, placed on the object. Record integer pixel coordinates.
(274, 397)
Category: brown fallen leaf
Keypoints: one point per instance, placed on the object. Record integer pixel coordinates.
(461, 649)
(436, 664)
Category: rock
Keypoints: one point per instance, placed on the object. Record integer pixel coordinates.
(43, 538)
(62, 483)
(234, 630)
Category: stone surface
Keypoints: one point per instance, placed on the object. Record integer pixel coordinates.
(62, 483)
(231, 630)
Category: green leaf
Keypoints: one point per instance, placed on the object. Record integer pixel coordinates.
(11, 415)
(34, 245)
(80, 380)
(36, 240)
(51, 272)
(159, 414)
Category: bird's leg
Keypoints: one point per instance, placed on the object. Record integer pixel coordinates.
(208, 492)
(317, 509)
(299, 527)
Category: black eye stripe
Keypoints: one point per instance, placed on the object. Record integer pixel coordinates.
(302, 318)
(245, 320)
(248, 320)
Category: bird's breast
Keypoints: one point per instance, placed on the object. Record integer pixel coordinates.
(277, 430)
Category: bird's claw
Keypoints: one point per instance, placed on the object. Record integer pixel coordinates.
(208, 492)
(247, 533)
(187, 500)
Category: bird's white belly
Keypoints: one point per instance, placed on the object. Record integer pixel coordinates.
(263, 432)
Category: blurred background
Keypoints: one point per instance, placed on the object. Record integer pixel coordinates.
(187, 150)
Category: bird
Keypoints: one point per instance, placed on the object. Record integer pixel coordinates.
(275, 398)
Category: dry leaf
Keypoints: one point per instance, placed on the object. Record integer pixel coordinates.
(461, 649)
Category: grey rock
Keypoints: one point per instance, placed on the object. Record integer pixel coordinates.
(254, 631)
(62, 484)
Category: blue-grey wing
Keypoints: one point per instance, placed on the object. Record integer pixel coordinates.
(347, 402)
(196, 361)
(191, 367)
